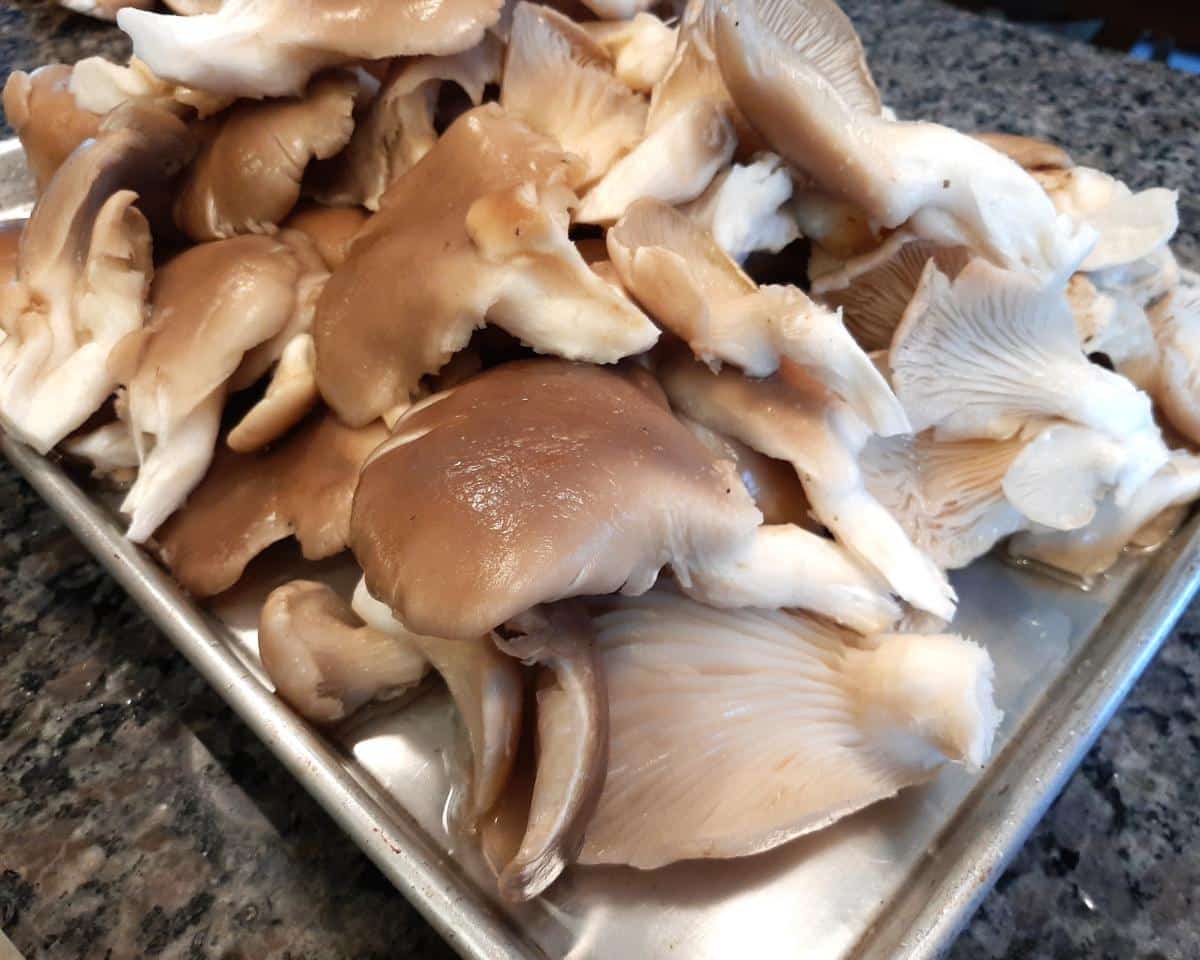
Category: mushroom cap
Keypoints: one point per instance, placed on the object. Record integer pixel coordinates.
(269, 48)
(1029, 152)
(10, 248)
(301, 487)
(323, 660)
(210, 305)
(40, 107)
(397, 128)
(246, 178)
(476, 232)
(591, 114)
(532, 482)
(732, 732)
(331, 229)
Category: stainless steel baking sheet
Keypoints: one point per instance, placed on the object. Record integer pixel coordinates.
(895, 881)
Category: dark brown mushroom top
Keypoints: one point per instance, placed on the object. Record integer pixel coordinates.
(42, 109)
(302, 486)
(536, 481)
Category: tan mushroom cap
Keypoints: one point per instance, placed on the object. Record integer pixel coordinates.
(40, 107)
(323, 660)
(1029, 152)
(475, 232)
(533, 482)
(300, 487)
(258, 48)
(332, 229)
(247, 176)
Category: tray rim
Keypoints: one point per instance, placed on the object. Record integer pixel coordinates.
(943, 891)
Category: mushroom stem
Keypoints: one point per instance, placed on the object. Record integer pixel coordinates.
(572, 741)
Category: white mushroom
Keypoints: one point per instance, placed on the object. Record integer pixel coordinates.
(791, 417)
(796, 70)
(745, 210)
(99, 85)
(683, 278)
(591, 113)
(641, 49)
(265, 48)
(734, 732)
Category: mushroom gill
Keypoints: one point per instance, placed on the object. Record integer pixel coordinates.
(264, 48)
(705, 704)
(40, 107)
(591, 114)
(82, 274)
(476, 232)
(686, 281)
(247, 176)
(323, 660)
(796, 70)
(214, 309)
(302, 487)
(397, 127)
(793, 418)
(561, 480)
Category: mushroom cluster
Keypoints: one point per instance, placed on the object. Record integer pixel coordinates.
(653, 373)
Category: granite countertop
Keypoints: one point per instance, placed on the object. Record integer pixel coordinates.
(140, 817)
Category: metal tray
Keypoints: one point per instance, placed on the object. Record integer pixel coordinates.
(895, 881)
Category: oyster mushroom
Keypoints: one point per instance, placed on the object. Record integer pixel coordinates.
(684, 280)
(572, 744)
(83, 270)
(1130, 226)
(874, 290)
(796, 71)
(262, 48)
(214, 308)
(40, 107)
(300, 487)
(1029, 152)
(1144, 280)
(397, 128)
(485, 685)
(703, 703)
(476, 232)
(323, 660)
(1176, 323)
(10, 248)
(611, 488)
(641, 49)
(745, 210)
(190, 8)
(290, 394)
(948, 495)
(617, 9)
(793, 418)
(591, 113)
(1090, 550)
(331, 229)
(246, 178)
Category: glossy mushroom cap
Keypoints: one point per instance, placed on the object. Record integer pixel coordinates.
(331, 229)
(247, 176)
(40, 107)
(302, 487)
(267, 48)
(476, 232)
(533, 482)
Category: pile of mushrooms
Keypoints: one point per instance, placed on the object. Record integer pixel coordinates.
(462, 289)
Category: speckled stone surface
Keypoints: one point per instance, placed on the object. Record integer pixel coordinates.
(139, 817)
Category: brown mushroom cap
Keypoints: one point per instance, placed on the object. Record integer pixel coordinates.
(533, 482)
(332, 229)
(323, 660)
(475, 231)
(1029, 152)
(10, 247)
(302, 486)
(40, 107)
(269, 48)
(247, 177)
